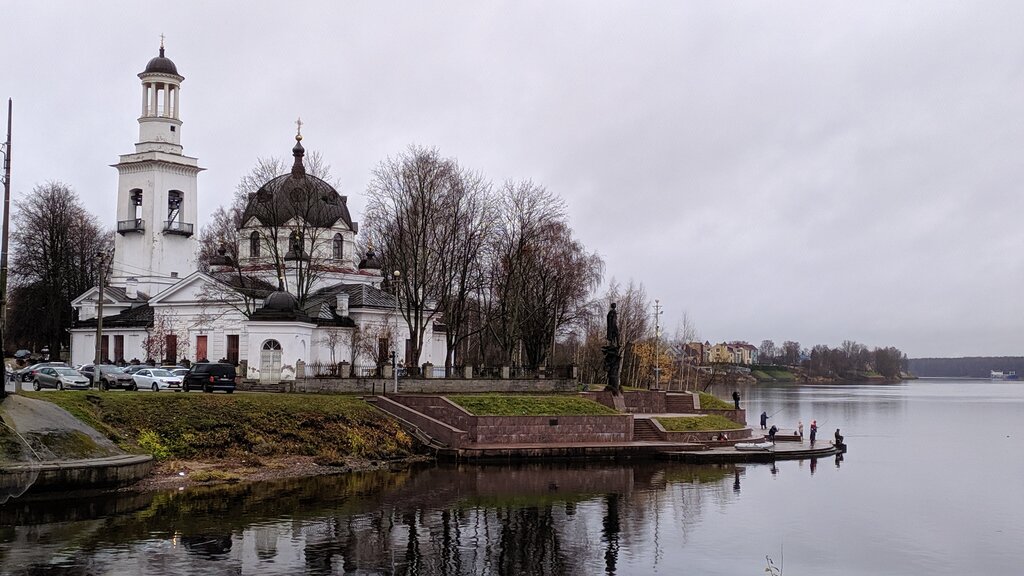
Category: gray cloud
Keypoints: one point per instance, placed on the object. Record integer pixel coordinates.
(792, 170)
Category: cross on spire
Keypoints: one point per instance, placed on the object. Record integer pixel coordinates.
(298, 132)
(161, 40)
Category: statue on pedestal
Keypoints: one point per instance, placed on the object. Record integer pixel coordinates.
(612, 356)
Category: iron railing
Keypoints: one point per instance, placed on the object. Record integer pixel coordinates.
(180, 228)
(133, 225)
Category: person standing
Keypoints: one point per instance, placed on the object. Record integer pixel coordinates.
(736, 398)
(839, 438)
(771, 433)
(800, 429)
(814, 431)
(764, 420)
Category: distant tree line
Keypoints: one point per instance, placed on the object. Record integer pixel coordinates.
(851, 360)
(967, 367)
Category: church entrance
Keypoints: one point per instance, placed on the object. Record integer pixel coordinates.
(270, 362)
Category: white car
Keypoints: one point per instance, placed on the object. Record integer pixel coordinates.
(156, 379)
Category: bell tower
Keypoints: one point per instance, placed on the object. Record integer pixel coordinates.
(156, 192)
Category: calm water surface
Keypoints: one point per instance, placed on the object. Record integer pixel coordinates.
(932, 485)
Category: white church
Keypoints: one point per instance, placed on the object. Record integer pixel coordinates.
(296, 238)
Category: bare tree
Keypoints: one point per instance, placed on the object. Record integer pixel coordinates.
(158, 338)
(407, 200)
(53, 261)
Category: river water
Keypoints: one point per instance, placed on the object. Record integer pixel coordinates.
(932, 484)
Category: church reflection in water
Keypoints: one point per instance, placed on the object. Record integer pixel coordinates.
(524, 519)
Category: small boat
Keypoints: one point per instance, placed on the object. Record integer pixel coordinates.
(755, 446)
(1000, 375)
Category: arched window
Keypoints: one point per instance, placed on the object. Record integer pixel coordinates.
(254, 244)
(339, 247)
(271, 345)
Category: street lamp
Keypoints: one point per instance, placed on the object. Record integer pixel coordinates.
(397, 274)
(657, 336)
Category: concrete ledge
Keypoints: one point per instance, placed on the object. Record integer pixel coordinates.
(84, 474)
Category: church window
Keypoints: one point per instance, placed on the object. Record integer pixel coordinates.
(339, 247)
(295, 243)
(254, 244)
(271, 345)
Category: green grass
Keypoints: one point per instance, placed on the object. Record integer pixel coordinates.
(508, 405)
(781, 375)
(699, 423)
(712, 402)
(199, 426)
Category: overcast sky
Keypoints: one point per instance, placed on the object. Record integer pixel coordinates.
(806, 171)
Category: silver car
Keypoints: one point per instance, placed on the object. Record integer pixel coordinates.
(156, 379)
(59, 377)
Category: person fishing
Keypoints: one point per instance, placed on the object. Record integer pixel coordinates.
(800, 429)
(736, 398)
(771, 433)
(814, 431)
(839, 438)
(764, 420)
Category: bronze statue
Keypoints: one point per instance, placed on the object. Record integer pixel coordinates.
(612, 358)
(613, 327)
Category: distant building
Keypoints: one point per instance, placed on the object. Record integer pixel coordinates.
(733, 353)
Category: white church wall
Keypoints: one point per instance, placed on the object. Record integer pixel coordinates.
(83, 344)
(294, 339)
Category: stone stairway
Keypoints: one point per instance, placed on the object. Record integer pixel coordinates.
(679, 403)
(645, 431)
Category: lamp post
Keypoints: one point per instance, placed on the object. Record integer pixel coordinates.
(397, 274)
(657, 337)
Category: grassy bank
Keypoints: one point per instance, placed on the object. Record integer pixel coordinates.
(501, 405)
(712, 402)
(208, 426)
(698, 423)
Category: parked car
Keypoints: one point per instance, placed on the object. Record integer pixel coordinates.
(28, 373)
(210, 376)
(59, 377)
(133, 368)
(156, 379)
(108, 376)
(178, 371)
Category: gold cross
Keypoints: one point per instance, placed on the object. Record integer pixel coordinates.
(299, 124)
(161, 40)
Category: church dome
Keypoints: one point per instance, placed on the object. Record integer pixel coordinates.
(161, 65)
(298, 195)
(371, 262)
(281, 301)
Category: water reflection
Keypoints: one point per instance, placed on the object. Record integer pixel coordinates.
(533, 519)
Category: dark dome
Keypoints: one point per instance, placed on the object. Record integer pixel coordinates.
(370, 262)
(281, 301)
(298, 195)
(161, 65)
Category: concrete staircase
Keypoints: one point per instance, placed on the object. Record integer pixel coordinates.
(645, 431)
(679, 403)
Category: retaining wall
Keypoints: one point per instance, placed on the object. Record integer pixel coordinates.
(636, 401)
(437, 429)
(428, 385)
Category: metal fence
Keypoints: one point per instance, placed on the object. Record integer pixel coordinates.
(336, 370)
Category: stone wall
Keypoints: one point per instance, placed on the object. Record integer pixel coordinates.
(637, 401)
(541, 429)
(440, 408)
(739, 416)
(428, 386)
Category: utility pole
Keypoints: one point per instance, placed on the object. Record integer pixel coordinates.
(657, 338)
(99, 314)
(3, 253)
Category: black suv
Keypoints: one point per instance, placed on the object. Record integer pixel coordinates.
(208, 377)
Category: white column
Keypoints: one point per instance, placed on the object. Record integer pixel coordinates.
(152, 100)
(145, 94)
(177, 90)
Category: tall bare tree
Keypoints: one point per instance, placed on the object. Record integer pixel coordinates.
(56, 241)
(409, 198)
